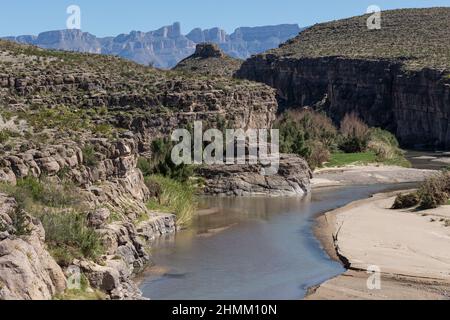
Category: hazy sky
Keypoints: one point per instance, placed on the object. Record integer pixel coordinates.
(112, 17)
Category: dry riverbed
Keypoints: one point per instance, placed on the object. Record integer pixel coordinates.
(412, 250)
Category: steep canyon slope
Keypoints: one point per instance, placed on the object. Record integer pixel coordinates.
(397, 77)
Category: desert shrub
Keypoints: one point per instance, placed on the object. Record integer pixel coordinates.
(355, 134)
(435, 191)
(319, 155)
(404, 201)
(174, 196)
(48, 193)
(90, 158)
(103, 129)
(386, 147)
(308, 134)
(69, 236)
(161, 163)
(4, 136)
(145, 166)
(32, 193)
(377, 134)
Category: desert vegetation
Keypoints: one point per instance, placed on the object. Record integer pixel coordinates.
(313, 136)
(171, 185)
(413, 46)
(433, 193)
(63, 216)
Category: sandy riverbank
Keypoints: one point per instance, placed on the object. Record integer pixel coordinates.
(412, 250)
(364, 175)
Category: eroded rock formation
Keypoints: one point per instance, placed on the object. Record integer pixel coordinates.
(292, 179)
(396, 78)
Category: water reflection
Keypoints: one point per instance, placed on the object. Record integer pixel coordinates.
(248, 248)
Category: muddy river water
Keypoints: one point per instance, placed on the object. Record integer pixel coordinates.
(249, 248)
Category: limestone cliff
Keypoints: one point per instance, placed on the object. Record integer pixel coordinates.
(209, 60)
(397, 77)
(84, 120)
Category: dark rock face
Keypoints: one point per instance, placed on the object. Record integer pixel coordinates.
(293, 179)
(208, 50)
(209, 60)
(167, 46)
(396, 78)
(414, 105)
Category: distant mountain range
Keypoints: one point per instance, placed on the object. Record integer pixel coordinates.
(165, 47)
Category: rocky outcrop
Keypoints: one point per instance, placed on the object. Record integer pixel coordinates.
(292, 179)
(342, 67)
(110, 184)
(209, 60)
(413, 105)
(167, 46)
(27, 270)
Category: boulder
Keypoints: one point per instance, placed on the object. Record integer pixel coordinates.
(292, 179)
(99, 217)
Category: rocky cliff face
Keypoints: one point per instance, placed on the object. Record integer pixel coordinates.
(293, 179)
(27, 271)
(85, 119)
(209, 60)
(167, 46)
(342, 67)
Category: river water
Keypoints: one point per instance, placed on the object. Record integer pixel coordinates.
(249, 248)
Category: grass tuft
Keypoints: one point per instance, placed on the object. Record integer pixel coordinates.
(175, 197)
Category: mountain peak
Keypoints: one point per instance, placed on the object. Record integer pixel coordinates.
(167, 46)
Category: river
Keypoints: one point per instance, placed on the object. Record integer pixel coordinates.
(249, 248)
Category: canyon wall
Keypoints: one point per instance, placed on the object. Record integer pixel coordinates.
(415, 105)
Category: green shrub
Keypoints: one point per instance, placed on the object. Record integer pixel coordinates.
(435, 191)
(90, 158)
(355, 134)
(145, 166)
(103, 129)
(4, 136)
(69, 237)
(174, 197)
(162, 164)
(405, 201)
(308, 134)
(48, 193)
(32, 193)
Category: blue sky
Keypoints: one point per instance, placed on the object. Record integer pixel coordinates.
(112, 17)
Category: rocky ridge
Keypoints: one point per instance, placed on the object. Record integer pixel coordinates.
(396, 78)
(209, 60)
(293, 179)
(86, 119)
(167, 46)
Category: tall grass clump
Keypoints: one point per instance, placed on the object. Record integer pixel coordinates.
(69, 237)
(386, 147)
(174, 196)
(59, 208)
